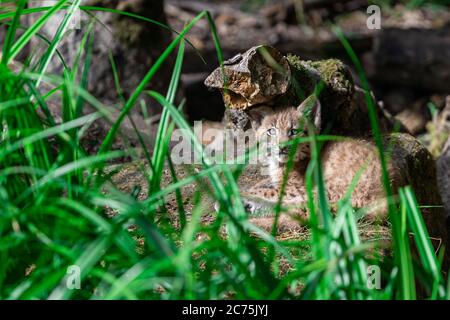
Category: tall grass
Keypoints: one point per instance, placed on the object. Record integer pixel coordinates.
(55, 201)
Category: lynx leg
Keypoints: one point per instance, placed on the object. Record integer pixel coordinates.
(261, 198)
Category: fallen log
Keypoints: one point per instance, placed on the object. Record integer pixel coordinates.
(416, 57)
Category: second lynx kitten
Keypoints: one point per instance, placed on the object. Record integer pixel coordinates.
(341, 161)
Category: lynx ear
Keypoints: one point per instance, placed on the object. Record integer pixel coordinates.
(257, 114)
(311, 109)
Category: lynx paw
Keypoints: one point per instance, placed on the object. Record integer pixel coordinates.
(257, 207)
(249, 206)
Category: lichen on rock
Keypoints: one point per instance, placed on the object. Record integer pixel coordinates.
(257, 76)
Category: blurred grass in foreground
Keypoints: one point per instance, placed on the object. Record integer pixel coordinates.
(54, 200)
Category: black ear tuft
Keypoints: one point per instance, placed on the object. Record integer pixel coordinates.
(257, 114)
(311, 109)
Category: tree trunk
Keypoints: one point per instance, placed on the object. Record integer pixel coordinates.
(134, 45)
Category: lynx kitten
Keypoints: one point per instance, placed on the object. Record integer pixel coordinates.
(341, 161)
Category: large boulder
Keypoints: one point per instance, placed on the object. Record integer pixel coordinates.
(264, 75)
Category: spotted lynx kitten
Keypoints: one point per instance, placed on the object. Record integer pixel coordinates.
(341, 161)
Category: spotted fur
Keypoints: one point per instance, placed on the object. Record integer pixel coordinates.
(341, 162)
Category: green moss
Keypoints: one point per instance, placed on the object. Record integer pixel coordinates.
(338, 80)
(303, 77)
(406, 142)
(335, 74)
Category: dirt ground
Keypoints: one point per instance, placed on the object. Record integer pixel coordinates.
(131, 176)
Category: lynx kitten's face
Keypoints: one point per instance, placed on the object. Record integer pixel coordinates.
(277, 129)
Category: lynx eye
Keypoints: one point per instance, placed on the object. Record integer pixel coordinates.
(293, 132)
(272, 132)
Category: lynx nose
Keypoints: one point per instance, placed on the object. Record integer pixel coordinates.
(284, 151)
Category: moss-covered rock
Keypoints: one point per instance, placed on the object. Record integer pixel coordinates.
(245, 79)
(419, 171)
(337, 80)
